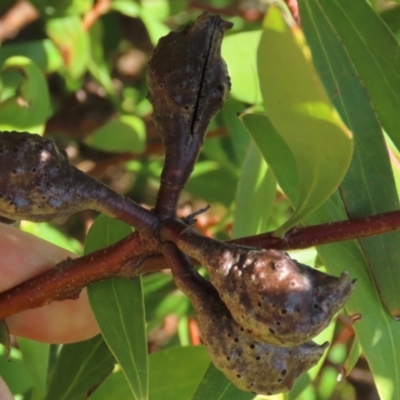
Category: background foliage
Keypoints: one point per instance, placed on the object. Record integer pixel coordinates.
(74, 70)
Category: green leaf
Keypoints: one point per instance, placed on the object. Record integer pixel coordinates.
(161, 299)
(255, 195)
(36, 359)
(376, 189)
(126, 7)
(14, 372)
(374, 51)
(119, 310)
(60, 8)
(28, 109)
(215, 386)
(377, 332)
(240, 54)
(174, 375)
(124, 134)
(275, 151)
(80, 367)
(155, 27)
(210, 175)
(42, 52)
(72, 41)
(114, 387)
(97, 64)
(51, 234)
(176, 372)
(351, 359)
(298, 107)
(238, 137)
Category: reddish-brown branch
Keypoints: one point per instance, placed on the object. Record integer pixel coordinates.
(17, 17)
(300, 238)
(68, 278)
(133, 255)
(101, 7)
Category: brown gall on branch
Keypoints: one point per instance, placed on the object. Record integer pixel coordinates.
(188, 84)
(37, 183)
(272, 296)
(249, 363)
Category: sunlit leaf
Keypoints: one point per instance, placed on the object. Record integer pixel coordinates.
(126, 7)
(299, 109)
(28, 109)
(73, 43)
(351, 359)
(376, 191)
(374, 51)
(240, 54)
(255, 195)
(51, 234)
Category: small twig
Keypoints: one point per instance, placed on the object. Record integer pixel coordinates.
(17, 17)
(66, 279)
(101, 7)
(315, 235)
(190, 219)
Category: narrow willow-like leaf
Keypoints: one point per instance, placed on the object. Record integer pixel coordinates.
(298, 107)
(28, 109)
(255, 195)
(275, 151)
(36, 359)
(118, 306)
(377, 331)
(215, 386)
(374, 51)
(370, 171)
(80, 367)
(351, 359)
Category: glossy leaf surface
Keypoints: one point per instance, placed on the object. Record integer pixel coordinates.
(118, 306)
(79, 368)
(298, 107)
(370, 170)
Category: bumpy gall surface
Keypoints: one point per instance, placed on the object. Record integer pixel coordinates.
(37, 183)
(188, 80)
(252, 365)
(274, 297)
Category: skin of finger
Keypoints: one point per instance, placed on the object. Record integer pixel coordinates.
(24, 256)
(5, 393)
